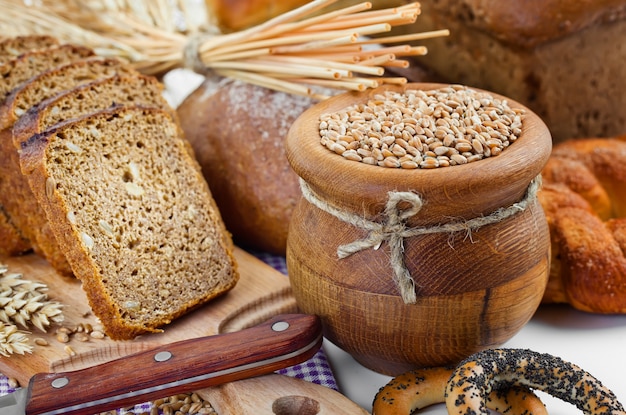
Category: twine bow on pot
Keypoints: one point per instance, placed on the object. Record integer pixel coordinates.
(393, 228)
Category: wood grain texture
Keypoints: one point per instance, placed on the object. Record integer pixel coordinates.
(184, 366)
(261, 293)
(474, 289)
(288, 396)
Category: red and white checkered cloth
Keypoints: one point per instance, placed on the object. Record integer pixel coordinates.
(316, 370)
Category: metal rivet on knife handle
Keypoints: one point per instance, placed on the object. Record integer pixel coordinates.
(59, 383)
(162, 356)
(280, 326)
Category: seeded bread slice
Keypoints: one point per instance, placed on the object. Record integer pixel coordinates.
(15, 195)
(134, 215)
(134, 89)
(13, 73)
(118, 90)
(12, 241)
(32, 63)
(12, 47)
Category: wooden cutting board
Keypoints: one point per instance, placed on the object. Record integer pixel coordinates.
(261, 293)
(284, 396)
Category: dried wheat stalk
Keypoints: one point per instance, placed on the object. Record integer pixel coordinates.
(25, 303)
(306, 46)
(13, 341)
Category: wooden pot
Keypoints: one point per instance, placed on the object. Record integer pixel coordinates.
(474, 290)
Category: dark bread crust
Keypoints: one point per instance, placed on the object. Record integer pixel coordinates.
(532, 23)
(561, 58)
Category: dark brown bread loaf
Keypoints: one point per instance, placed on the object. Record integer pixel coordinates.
(15, 195)
(564, 59)
(136, 219)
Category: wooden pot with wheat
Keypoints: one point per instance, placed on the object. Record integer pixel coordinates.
(419, 239)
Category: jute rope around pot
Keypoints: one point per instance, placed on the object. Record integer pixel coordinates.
(393, 228)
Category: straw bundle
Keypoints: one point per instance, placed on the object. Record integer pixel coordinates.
(306, 46)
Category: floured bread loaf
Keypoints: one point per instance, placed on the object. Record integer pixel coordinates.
(237, 132)
(133, 214)
(15, 195)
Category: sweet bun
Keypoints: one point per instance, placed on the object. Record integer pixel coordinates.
(584, 198)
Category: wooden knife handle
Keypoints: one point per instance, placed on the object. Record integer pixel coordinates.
(184, 366)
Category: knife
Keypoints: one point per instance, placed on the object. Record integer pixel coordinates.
(184, 366)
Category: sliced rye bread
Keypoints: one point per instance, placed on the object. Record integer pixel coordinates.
(118, 90)
(13, 73)
(20, 69)
(13, 242)
(15, 195)
(56, 80)
(85, 99)
(12, 47)
(134, 215)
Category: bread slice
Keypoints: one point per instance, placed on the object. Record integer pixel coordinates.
(13, 73)
(15, 195)
(20, 69)
(13, 242)
(131, 209)
(56, 80)
(95, 96)
(12, 47)
(118, 90)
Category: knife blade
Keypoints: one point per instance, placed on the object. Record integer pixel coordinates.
(184, 366)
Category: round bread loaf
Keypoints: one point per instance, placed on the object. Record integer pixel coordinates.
(584, 198)
(237, 132)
